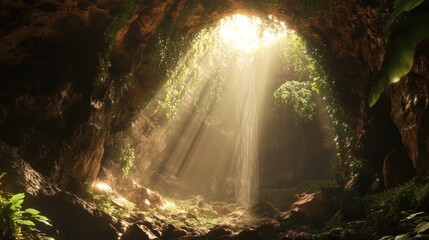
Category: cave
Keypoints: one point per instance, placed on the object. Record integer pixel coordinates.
(187, 119)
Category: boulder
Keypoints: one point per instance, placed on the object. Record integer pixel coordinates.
(263, 209)
(397, 168)
(315, 206)
(138, 232)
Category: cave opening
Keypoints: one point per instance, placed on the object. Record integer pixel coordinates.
(237, 118)
(188, 119)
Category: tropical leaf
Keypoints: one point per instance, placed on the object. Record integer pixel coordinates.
(403, 237)
(413, 216)
(25, 222)
(32, 211)
(400, 53)
(400, 6)
(423, 227)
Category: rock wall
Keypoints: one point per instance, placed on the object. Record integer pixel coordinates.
(56, 113)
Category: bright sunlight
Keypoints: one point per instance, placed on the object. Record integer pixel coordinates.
(249, 33)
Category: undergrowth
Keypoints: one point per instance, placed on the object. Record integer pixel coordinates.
(17, 223)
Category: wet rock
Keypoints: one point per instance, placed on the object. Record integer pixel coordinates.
(316, 208)
(397, 168)
(138, 232)
(263, 209)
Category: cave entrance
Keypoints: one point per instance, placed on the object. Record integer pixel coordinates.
(201, 134)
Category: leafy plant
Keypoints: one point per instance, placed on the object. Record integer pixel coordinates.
(403, 39)
(105, 203)
(121, 154)
(385, 210)
(297, 97)
(15, 223)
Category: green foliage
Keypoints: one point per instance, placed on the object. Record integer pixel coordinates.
(105, 203)
(404, 38)
(16, 223)
(413, 225)
(185, 74)
(121, 154)
(297, 97)
(384, 210)
(303, 65)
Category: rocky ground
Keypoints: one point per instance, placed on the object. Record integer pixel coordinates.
(96, 211)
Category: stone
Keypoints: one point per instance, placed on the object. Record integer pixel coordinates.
(218, 233)
(397, 168)
(314, 206)
(138, 232)
(263, 209)
(75, 218)
(410, 110)
(248, 234)
(172, 233)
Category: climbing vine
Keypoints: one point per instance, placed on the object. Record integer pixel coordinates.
(310, 71)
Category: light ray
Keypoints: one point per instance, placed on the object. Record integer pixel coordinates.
(199, 134)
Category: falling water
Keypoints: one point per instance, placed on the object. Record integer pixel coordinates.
(245, 152)
(210, 151)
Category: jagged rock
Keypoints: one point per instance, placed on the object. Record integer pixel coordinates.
(314, 206)
(410, 110)
(138, 232)
(397, 168)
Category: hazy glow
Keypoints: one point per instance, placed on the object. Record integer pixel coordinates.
(102, 187)
(168, 205)
(249, 33)
(199, 134)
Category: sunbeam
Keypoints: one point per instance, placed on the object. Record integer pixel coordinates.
(200, 132)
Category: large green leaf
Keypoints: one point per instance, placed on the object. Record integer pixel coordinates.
(403, 237)
(25, 222)
(400, 53)
(15, 202)
(32, 211)
(400, 6)
(423, 227)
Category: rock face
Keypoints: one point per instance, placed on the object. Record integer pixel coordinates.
(50, 102)
(55, 105)
(397, 168)
(410, 112)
